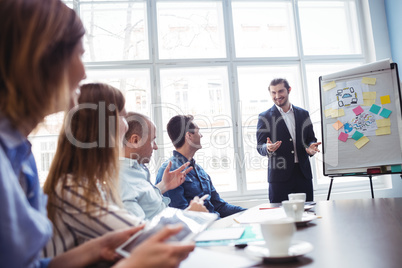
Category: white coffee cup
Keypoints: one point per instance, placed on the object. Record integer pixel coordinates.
(294, 209)
(278, 235)
(297, 196)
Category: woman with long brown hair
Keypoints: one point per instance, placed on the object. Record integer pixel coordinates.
(83, 178)
(40, 69)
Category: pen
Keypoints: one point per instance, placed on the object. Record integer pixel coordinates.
(268, 208)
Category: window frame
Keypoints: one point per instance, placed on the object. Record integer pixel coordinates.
(231, 62)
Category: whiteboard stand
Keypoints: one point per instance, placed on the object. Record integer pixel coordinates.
(371, 185)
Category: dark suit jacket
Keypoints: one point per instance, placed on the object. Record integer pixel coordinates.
(280, 165)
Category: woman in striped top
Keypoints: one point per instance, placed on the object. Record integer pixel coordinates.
(81, 185)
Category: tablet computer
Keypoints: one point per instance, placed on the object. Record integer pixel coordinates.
(193, 223)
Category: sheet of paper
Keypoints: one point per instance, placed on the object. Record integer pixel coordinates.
(368, 102)
(343, 137)
(357, 135)
(369, 95)
(220, 234)
(385, 113)
(328, 112)
(396, 168)
(361, 142)
(383, 131)
(358, 110)
(375, 109)
(337, 125)
(369, 80)
(338, 113)
(255, 215)
(386, 122)
(329, 86)
(385, 99)
(203, 258)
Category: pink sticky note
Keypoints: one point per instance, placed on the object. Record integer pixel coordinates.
(358, 110)
(343, 137)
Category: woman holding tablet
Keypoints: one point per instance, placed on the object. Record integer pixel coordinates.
(83, 200)
(40, 68)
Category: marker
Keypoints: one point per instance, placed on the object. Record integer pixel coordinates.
(204, 197)
(268, 208)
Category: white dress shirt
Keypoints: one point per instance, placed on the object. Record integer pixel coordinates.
(290, 122)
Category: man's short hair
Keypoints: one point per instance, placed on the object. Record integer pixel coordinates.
(278, 81)
(137, 124)
(177, 128)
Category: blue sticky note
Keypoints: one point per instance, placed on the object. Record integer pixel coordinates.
(385, 113)
(357, 135)
(396, 168)
(375, 109)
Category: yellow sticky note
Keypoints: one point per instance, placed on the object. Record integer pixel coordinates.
(337, 125)
(385, 99)
(328, 112)
(329, 86)
(361, 142)
(338, 113)
(383, 131)
(368, 102)
(369, 95)
(369, 80)
(386, 122)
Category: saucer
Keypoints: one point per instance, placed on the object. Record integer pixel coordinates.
(307, 207)
(296, 249)
(306, 218)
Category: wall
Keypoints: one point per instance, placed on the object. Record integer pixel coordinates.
(393, 10)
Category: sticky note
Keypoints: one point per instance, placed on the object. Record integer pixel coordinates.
(357, 135)
(396, 168)
(375, 109)
(385, 99)
(358, 110)
(337, 125)
(369, 95)
(369, 80)
(328, 112)
(368, 102)
(343, 137)
(329, 86)
(361, 142)
(383, 131)
(338, 113)
(385, 112)
(383, 122)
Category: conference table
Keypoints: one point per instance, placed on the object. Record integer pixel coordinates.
(361, 233)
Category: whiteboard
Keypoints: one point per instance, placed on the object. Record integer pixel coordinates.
(361, 120)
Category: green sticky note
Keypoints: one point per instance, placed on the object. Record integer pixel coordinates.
(396, 168)
(385, 113)
(357, 135)
(375, 109)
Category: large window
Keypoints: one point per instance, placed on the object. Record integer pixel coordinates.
(214, 60)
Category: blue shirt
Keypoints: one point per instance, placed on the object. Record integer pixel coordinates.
(140, 197)
(197, 183)
(24, 226)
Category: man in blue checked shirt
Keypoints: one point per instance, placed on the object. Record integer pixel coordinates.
(186, 138)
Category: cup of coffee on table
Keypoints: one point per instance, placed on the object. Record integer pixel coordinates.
(297, 196)
(278, 235)
(294, 209)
